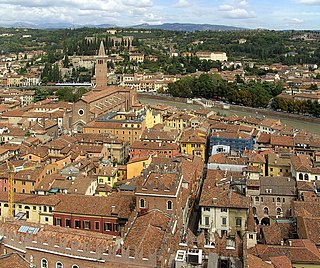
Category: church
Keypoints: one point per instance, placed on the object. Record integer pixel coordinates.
(102, 98)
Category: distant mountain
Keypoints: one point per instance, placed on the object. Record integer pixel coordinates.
(48, 25)
(188, 27)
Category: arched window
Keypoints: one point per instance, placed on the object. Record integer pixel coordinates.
(278, 199)
(257, 198)
(169, 205)
(254, 210)
(266, 211)
(278, 211)
(75, 266)
(59, 265)
(26, 207)
(142, 203)
(44, 263)
(300, 176)
(306, 177)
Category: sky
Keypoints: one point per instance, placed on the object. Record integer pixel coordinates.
(270, 14)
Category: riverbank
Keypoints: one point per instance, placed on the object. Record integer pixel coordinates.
(251, 110)
(296, 121)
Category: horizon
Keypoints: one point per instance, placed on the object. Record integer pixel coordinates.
(250, 14)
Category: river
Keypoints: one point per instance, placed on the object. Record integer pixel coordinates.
(295, 123)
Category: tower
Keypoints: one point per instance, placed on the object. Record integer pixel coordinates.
(251, 233)
(101, 68)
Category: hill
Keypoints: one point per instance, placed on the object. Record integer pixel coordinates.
(188, 27)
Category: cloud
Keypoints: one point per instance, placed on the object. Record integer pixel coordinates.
(75, 11)
(225, 8)
(152, 19)
(138, 3)
(309, 2)
(294, 20)
(237, 11)
(182, 4)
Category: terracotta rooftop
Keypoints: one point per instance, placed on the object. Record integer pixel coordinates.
(154, 145)
(255, 262)
(277, 186)
(277, 232)
(59, 234)
(221, 158)
(301, 251)
(97, 205)
(264, 138)
(13, 260)
(285, 141)
(222, 196)
(147, 232)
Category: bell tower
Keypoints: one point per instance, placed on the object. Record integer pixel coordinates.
(101, 68)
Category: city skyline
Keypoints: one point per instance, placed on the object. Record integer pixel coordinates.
(281, 15)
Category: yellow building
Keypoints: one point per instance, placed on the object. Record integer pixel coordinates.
(32, 208)
(179, 120)
(126, 127)
(153, 118)
(25, 181)
(137, 57)
(193, 142)
(257, 160)
(108, 175)
(137, 164)
(278, 166)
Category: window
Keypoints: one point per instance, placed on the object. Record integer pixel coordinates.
(75, 266)
(283, 200)
(169, 205)
(224, 221)
(206, 220)
(59, 265)
(224, 210)
(86, 224)
(306, 177)
(271, 169)
(254, 210)
(300, 176)
(250, 236)
(266, 211)
(238, 222)
(142, 203)
(278, 199)
(58, 221)
(44, 263)
(77, 224)
(257, 199)
(97, 225)
(46, 219)
(107, 226)
(206, 209)
(278, 211)
(223, 232)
